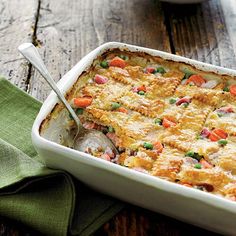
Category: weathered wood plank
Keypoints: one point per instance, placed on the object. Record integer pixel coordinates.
(68, 33)
(17, 19)
(199, 32)
(229, 10)
(137, 221)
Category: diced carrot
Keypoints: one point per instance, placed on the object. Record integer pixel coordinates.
(158, 146)
(218, 134)
(168, 122)
(221, 133)
(142, 88)
(117, 62)
(82, 102)
(198, 80)
(122, 109)
(232, 89)
(205, 164)
(213, 137)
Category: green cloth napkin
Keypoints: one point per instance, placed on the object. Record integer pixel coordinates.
(50, 201)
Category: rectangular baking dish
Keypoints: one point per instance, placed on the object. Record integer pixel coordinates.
(193, 206)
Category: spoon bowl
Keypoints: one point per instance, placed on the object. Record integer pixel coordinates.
(92, 140)
(85, 139)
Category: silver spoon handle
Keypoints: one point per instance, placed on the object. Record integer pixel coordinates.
(29, 51)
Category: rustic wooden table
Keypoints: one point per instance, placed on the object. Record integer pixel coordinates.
(66, 30)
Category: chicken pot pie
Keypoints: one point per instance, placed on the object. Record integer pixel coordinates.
(167, 119)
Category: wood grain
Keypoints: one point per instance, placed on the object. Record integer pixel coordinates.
(66, 34)
(17, 20)
(229, 10)
(199, 32)
(66, 30)
(136, 221)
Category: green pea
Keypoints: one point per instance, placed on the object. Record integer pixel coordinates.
(189, 154)
(194, 155)
(123, 57)
(104, 64)
(115, 105)
(187, 75)
(148, 145)
(160, 70)
(185, 104)
(219, 114)
(226, 89)
(198, 166)
(141, 93)
(158, 121)
(111, 129)
(172, 100)
(79, 111)
(222, 142)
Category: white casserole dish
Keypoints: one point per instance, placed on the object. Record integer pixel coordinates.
(193, 206)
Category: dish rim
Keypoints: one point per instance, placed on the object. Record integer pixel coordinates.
(66, 83)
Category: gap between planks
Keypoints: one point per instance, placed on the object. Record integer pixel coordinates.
(35, 42)
(69, 33)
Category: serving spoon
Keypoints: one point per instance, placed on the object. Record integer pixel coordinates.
(85, 139)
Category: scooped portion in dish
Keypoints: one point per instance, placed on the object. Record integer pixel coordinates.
(166, 118)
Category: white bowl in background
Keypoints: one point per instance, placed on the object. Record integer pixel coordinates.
(190, 205)
(184, 1)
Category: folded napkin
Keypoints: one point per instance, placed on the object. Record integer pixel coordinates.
(50, 201)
